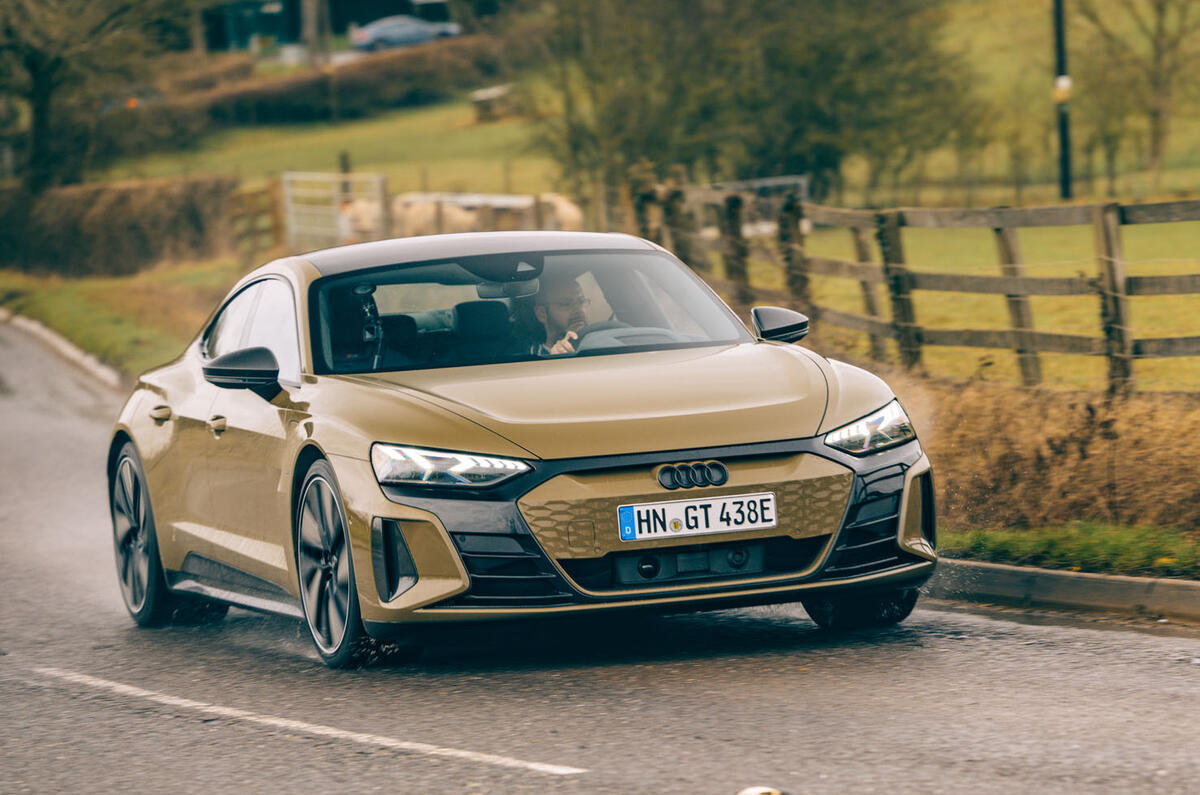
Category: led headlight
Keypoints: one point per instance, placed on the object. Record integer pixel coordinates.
(408, 466)
(885, 428)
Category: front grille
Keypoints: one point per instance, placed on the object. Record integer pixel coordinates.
(781, 555)
(507, 571)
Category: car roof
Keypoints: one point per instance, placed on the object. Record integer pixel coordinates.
(400, 251)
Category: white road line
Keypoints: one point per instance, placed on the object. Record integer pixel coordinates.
(315, 729)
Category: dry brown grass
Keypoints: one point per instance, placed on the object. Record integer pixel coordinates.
(1005, 456)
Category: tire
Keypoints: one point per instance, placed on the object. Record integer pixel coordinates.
(861, 611)
(325, 569)
(135, 544)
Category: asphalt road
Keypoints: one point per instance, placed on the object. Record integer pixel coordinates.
(715, 703)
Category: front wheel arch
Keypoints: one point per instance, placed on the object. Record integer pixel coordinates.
(119, 440)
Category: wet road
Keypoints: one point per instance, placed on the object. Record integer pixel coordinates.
(711, 703)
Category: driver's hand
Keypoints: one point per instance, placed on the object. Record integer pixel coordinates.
(564, 345)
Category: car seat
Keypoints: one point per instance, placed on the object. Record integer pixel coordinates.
(483, 330)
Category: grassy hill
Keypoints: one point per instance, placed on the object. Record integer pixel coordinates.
(439, 147)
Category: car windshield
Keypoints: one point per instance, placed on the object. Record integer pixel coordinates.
(513, 307)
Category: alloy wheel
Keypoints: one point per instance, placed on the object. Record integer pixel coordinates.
(324, 562)
(131, 535)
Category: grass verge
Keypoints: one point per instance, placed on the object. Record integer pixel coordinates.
(1083, 546)
(130, 322)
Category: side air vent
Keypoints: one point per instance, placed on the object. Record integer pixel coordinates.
(394, 569)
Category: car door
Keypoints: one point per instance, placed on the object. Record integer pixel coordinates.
(183, 470)
(249, 471)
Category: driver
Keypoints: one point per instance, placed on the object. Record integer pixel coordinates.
(560, 309)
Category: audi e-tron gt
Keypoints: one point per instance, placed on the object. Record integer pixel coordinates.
(512, 424)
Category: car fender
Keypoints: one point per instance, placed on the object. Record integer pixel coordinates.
(853, 393)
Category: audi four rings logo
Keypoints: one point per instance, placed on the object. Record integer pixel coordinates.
(685, 476)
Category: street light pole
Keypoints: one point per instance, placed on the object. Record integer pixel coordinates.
(1062, 94)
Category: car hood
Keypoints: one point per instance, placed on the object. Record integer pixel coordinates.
(633, 402)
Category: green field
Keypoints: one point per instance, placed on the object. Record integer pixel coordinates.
(435, 148)
(1051, 251)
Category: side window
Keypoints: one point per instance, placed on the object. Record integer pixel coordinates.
(225, 335)
(274, 326)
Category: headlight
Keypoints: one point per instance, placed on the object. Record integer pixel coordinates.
(885, 428)
(407, 466)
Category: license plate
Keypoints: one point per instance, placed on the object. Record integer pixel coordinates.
(696, 517)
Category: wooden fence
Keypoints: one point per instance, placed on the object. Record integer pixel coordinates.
(682, 212)
(256, 221)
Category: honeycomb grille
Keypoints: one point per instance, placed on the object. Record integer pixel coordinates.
(587, 527)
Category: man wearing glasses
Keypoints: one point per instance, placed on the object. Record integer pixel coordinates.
(561, 309)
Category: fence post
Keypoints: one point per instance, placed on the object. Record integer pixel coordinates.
(599, 205)
(891, 246)
(791, 241)
(1114, 303)
(539, 221)
(276, 212)
(485, 218)
(1019, 310)
(675, 220)
(385, 210)
(643, 199)
(862, 253)
(736, 250)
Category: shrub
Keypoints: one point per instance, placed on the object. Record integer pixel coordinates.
(369, 85)
(114, 228)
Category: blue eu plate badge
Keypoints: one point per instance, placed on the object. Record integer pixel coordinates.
(625, 519)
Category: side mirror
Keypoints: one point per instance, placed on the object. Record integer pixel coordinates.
(255, 369)
(777, 323)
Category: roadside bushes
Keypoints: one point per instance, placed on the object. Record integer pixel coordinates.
(114, 228)
(1004, 456)
(367, 86)
(360, 88)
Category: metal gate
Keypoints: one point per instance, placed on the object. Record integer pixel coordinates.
(331, 209)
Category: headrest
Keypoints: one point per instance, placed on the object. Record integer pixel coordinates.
(482, 319)
(399, 331)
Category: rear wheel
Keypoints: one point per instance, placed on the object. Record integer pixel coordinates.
(139, 569)
(861, 611)
(326, 571)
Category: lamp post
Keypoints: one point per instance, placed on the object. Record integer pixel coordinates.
(1062, 95)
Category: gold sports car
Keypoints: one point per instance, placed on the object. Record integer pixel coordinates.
(510, 424)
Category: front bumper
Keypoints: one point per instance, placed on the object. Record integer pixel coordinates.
(547, 543)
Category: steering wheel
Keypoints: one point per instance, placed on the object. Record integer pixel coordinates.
(625, 335)
(603, 325)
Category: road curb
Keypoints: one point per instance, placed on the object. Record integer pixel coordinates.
(1025, 585)
(68, 350)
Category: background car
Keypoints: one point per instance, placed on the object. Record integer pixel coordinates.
(482, 426)
(401, 31)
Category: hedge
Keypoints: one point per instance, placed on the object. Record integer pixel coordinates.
(114, 228)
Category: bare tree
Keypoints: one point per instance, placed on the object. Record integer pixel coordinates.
(1160, 49)
(1107, 98)
(50, 46)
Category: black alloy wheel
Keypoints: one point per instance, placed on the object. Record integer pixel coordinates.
(326, 571)
(139, 570)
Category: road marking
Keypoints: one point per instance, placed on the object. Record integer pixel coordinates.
(315, 729)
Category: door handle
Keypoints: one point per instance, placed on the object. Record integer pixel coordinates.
(216, 424)
(160, 413)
